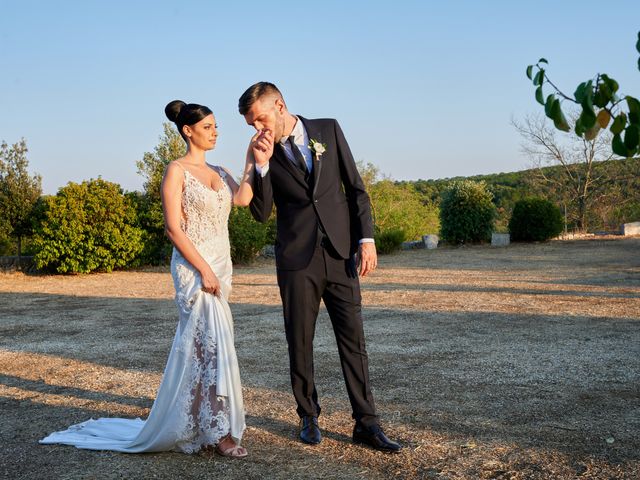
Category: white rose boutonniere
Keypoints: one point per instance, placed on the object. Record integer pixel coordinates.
(317, 148)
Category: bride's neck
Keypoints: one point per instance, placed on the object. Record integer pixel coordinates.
(195, 155)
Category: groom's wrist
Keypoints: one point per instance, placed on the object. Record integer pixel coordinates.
(366, 240)
(262, 169)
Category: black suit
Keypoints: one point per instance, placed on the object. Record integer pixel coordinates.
(319, 225)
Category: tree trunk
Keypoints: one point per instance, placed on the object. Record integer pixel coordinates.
(582, 215)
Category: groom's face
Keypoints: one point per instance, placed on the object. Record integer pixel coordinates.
(267, 113)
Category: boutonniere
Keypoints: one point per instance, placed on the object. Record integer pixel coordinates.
(317, 148)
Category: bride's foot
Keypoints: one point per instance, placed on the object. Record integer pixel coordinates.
(228, 448)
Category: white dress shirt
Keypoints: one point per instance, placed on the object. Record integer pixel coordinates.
(301, 139)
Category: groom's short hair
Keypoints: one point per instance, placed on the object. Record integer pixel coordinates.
(254, 93)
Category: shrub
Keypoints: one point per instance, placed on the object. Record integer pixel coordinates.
(467, 212)
(157, 247)
(272, 230)
(535, 219)
(389, 241)
(87, 227)
(247, 236)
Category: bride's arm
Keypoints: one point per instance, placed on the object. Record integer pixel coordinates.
(262, 143)
(243, 193)
(171, 194)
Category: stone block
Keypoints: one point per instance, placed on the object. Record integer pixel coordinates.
(430, 241)
(412, 245)
(268, 251)
(500, 239)
(632, 228)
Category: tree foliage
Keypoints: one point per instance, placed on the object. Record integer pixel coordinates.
(247, 237)
(467, 212)
(19, 192)
(369, 173)
(601, 106)
(535, 219)
(157, 247)
(87, 227)
(398, 206)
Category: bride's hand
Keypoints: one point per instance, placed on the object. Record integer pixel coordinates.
(210, 282)
(262, 147)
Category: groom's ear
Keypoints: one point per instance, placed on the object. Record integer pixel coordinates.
(280, 106)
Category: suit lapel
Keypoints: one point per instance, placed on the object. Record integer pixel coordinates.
(315, 134)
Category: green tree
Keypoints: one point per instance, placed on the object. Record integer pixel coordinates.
(600, 106)
(400, 207)
(467, 213)
(87, 227)
(19, 192)
(157, 247)
(246, 236)
(369, 173)
(397, 206)
(430, 190)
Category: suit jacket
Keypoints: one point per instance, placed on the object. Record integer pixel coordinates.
(334, 196)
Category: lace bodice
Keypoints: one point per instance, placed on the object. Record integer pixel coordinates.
(205, 213)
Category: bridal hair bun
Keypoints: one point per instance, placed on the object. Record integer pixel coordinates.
(182, 114)
(172, 110)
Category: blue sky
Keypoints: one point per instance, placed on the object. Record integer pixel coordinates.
(422, 89)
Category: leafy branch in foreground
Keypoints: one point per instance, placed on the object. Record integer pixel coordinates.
(601, 107)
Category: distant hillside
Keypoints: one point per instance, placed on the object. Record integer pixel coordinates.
(615, 199)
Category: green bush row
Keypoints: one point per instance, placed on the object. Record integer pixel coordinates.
(468, 214)
(93, 226)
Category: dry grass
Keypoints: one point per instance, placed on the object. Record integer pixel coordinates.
(519, 362)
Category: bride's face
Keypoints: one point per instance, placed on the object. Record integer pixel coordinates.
(203, 134)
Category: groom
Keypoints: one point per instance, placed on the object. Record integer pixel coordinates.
(323, 213)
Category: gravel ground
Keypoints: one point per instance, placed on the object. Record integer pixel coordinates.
(511, 363)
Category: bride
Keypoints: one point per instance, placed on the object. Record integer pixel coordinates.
(199, 402)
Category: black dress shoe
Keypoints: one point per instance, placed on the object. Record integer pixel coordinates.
(374, 437)
(309, 431)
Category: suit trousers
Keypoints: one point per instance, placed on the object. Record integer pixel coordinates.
(327, 277)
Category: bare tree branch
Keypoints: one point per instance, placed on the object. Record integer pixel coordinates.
(579, 180)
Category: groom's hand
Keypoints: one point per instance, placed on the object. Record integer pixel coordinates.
(367, 258)
(262, 147)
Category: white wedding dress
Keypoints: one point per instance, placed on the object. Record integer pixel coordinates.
(199, 400)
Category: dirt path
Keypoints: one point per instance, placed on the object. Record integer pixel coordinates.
(519, 362)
